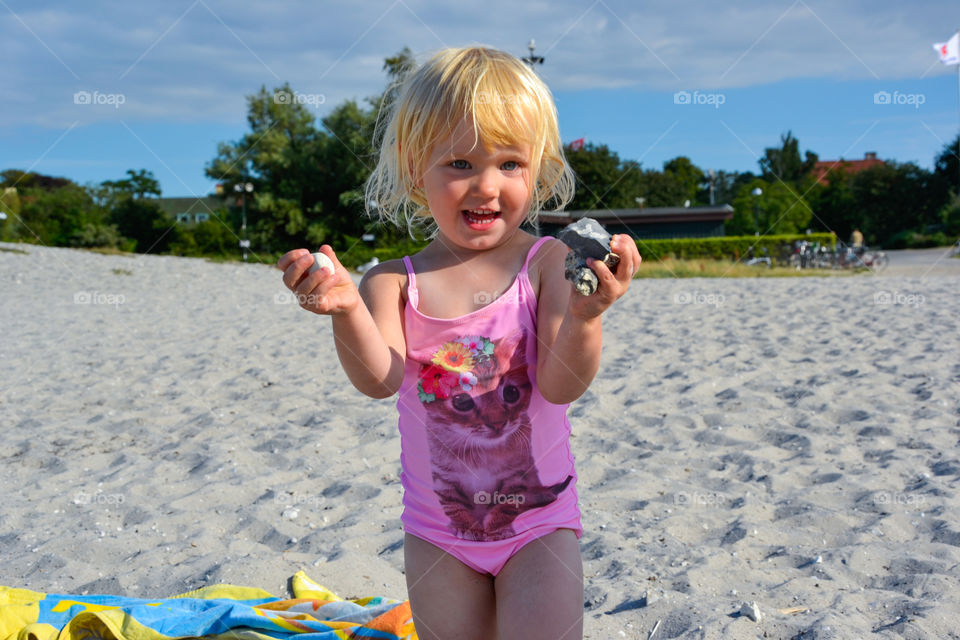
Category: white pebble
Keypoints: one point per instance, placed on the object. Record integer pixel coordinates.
(321, 261)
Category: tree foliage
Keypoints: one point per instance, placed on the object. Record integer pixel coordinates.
(308, 178)
(784, 163)
(778, 209)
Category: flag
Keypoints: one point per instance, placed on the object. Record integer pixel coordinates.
(950, 50)
(577, 144)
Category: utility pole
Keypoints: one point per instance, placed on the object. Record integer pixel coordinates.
(244, 190)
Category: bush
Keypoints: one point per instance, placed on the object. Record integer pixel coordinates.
(357, 252)
(208, 238)
(914, 240)
(951, 219)
(101, 236)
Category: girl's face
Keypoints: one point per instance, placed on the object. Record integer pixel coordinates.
(478, 197)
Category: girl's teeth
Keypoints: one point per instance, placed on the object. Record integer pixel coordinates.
(480, 218)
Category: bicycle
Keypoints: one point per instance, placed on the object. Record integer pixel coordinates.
(752, 261)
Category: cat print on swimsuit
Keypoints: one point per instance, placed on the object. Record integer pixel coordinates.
(476, 393)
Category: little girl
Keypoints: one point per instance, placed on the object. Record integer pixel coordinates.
(485, 341)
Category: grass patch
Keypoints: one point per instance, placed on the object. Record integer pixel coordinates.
(110, 251)
(122, 272)
(14, 251)
(706, 268)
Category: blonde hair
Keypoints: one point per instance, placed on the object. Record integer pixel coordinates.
(508, 103)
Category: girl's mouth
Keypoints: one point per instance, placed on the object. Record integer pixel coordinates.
(480, 218)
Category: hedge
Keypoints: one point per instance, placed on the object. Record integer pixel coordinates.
(718, 248)
(727, 247)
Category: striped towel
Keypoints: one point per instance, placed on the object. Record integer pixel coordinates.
(219, 611)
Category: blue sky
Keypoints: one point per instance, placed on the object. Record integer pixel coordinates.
(171, 77)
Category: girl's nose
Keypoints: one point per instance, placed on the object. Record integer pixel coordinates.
(485, 183)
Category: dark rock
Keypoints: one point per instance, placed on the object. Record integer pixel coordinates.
(588, 239)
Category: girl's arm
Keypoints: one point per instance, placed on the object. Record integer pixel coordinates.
(569, 333)
(367, 323)
(370, 341)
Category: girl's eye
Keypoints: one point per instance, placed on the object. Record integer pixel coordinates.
(510, 165)
(460, 164)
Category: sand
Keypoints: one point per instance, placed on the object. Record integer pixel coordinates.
(170, 423)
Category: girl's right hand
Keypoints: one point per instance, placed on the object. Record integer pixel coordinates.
(320, 292)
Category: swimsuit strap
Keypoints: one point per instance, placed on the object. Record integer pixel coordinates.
(533, 251)
(413, 296)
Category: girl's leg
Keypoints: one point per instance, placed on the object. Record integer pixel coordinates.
(448, 599)
(540, 590)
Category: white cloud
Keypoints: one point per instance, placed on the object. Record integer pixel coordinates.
(194, 68)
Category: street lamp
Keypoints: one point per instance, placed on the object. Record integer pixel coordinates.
(756, 209)
(243, 190)
(532, 60)
(640, 201)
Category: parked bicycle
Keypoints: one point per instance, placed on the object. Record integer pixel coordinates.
(752, 261)
(813, 255)
(860, 257)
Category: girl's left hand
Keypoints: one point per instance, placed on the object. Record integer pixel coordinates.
(612, 285)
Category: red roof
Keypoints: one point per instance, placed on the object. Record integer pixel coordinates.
(821, 169)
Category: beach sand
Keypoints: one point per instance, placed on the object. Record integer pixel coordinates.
(170, 423)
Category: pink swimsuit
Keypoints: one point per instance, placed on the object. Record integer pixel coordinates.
(486, 460)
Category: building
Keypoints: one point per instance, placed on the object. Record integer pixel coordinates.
(649, 222)
(191, 210)
(821, 169)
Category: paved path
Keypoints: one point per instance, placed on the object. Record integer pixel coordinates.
(922, 262)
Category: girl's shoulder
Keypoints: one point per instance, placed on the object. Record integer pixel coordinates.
(385, 278)
(546, 264)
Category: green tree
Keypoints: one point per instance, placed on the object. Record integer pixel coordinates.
(895, 197)
(45, 209)
(945, 186)
(10, 208)
(835, 206)
(308, 179)
(784, 163)
(276, 157)
(27, 180)
(688, 178)
(138, 184)
(142, 221)
(779, 209)
(599, 175)
(726, 185)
